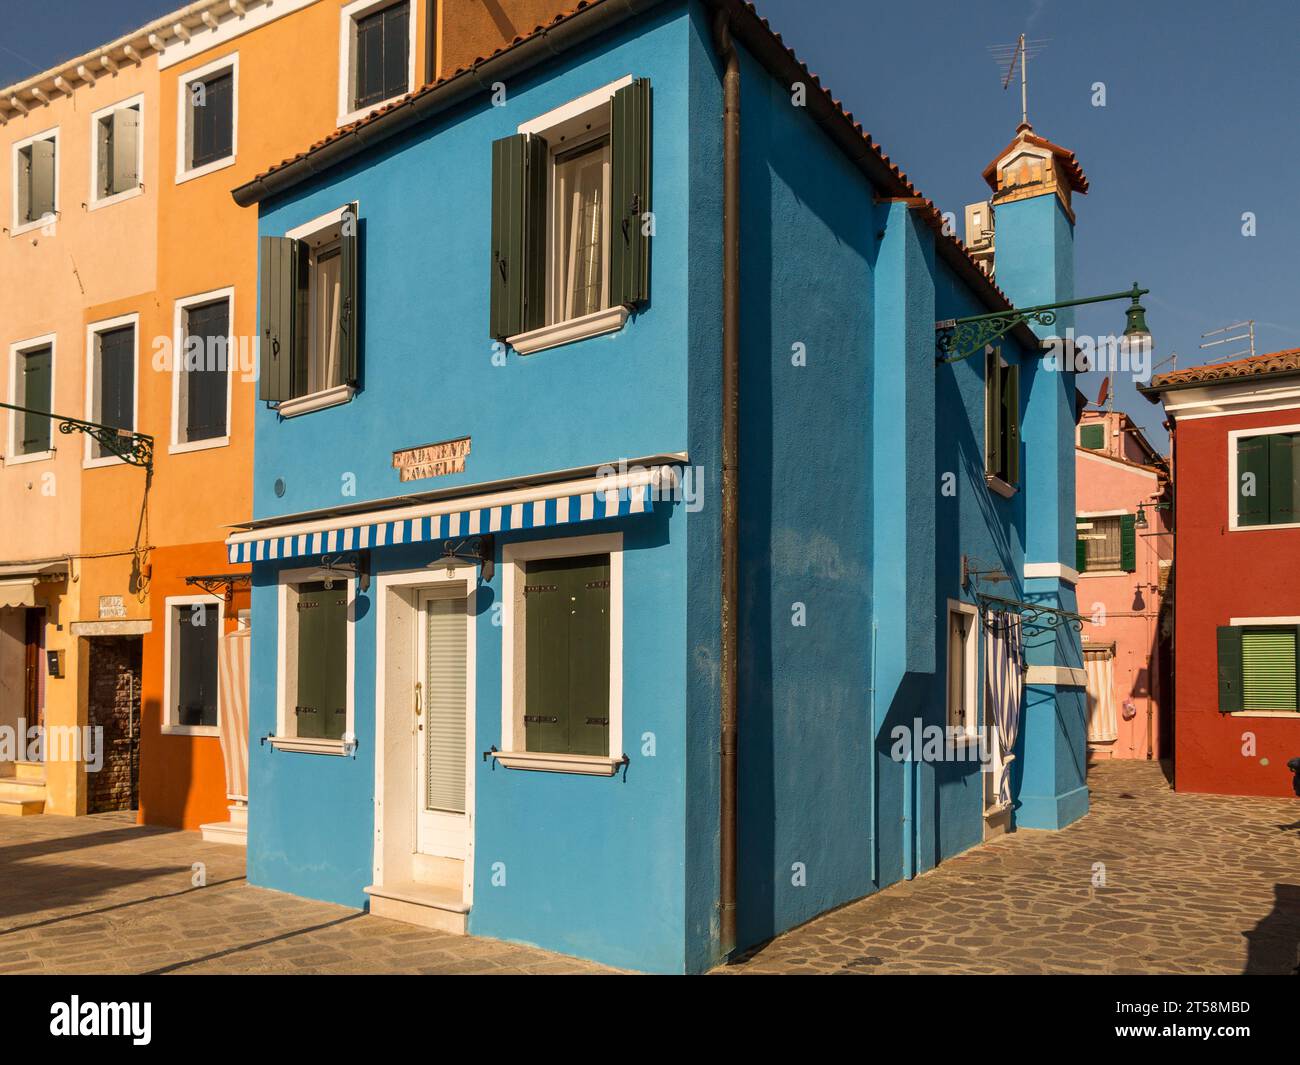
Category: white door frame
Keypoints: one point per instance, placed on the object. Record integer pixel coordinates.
(412, 581)
(438, 832)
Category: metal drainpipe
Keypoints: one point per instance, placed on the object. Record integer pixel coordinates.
(730, 471)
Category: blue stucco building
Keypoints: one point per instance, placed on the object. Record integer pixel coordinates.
(487, 676)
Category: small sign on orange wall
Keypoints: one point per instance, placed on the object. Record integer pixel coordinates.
(431, 460)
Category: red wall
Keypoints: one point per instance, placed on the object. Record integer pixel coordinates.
(1222, 574)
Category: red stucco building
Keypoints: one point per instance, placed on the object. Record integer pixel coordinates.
(1235, 443)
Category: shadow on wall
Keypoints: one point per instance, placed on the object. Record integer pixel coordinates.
(1273, 944)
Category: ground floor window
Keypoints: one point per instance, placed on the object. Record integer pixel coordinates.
(193, 637)
(563, 689)
(315, 655)
(1257, 667)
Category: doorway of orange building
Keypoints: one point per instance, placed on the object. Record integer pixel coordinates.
(114, 707)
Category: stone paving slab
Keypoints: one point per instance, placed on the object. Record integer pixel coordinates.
(1193, 884)
(100, 894)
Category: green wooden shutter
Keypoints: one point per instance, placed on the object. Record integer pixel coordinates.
(278, 270)
(1252, 480)
(322, 652)
(1127, 543)
(519, 179)
(1268, 669)
(1080, 550)
(546, 657)
(630, 153)
(37, 393)
(349, 295)
(1229, 644)
(992, 413)
(1011, 412)
(42, 193)
(589, 656)
(1282, 471)
(1093, 437)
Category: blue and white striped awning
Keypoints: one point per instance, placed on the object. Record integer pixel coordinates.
(538, 507)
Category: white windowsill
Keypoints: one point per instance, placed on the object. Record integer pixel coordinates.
(198, 445)
(308, 746)
(361, 112)
(202, 171)
(331, 397)
(592, 765)
(1265, 713)
(1000, 486)
(35, 456)
(117, 197)
(610, 320)
(191, 730)
(1261, 528)
(28, 227)
(103, 461)
(1104, 573)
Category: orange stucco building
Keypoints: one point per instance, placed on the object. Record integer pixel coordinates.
(121, 569)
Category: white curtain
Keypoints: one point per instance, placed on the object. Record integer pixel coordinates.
(1102, 724)
(232, 662)
(1005, 667)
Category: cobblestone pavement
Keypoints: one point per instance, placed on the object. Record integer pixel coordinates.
(1194, 884)
(101, 895)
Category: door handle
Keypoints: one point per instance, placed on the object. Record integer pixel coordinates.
(418, 690)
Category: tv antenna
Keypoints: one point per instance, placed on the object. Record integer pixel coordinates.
(1015, 55)
(1249, 334)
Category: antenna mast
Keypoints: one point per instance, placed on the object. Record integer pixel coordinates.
(1013, 55)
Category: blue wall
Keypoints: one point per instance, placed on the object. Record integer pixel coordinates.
(593, 866)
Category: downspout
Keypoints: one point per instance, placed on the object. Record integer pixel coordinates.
(728, 859)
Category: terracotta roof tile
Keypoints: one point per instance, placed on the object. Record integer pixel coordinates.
(1276, 362)
(933, 216)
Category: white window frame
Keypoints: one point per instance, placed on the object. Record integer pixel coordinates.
(1264, 623)
(89, 462)
(94, 201)
(514, 558)
(974, 689)
(1234, 436)
(171, 652)
(349, 15)
(1089, 515)
(20, 227)
(21, 347)
(179, 446)
(184, 172)
(608, 319)
(287, 582)
(328, 397)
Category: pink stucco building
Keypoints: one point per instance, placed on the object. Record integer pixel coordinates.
(1125, 559)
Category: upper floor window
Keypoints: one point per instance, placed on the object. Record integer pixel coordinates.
(117, 152)
(202, 393)
(111, 380)
(208, 118)
(1001, 422)
(571, 219)
(1266, 478)
(1106, 543)
(32, 365)
(1093, 437)
(36, 181)
(309, 313)
(377, 55)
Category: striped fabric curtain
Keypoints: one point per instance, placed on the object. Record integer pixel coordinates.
(1005, 667)
(232, 721)
(1103, 726)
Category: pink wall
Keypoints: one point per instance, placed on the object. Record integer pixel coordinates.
(1125, 607)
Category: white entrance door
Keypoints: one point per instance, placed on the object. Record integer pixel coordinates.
(442, 738)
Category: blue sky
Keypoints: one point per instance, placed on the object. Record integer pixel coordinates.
(1199, 127)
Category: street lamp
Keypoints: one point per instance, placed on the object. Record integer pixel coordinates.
(960, 338)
